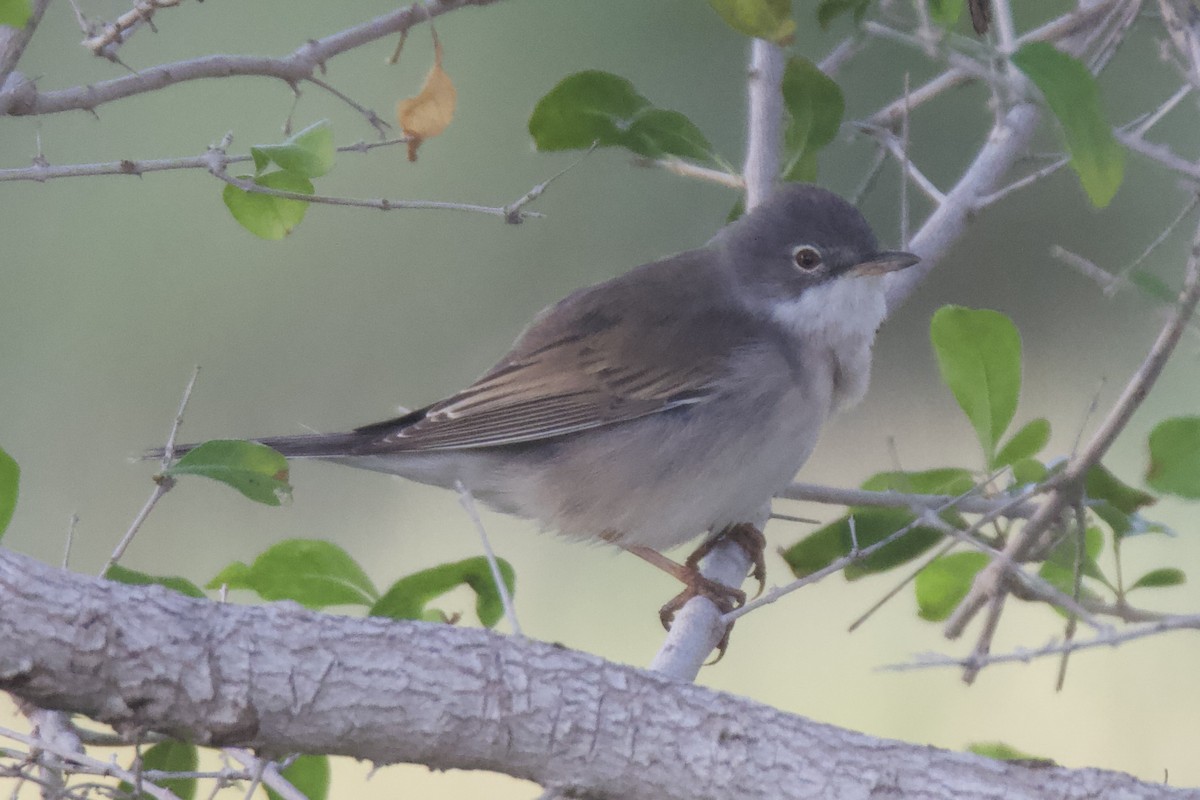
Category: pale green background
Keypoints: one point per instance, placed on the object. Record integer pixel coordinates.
(112, 288)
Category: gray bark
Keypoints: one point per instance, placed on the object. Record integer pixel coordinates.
(283, 679)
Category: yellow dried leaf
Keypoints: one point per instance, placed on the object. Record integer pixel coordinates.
(428, 114)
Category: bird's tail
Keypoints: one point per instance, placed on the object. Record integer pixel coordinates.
(304, 445)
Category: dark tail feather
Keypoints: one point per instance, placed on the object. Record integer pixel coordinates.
(304, 445)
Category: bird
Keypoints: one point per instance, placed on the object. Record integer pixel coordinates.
(666, 404)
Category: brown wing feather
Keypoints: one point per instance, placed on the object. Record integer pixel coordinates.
(561, 389)
(593, 359)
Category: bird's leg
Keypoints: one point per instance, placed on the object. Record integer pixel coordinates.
(745, 536)
(726, 598)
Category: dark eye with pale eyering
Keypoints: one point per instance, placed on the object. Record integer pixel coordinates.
(806, 257)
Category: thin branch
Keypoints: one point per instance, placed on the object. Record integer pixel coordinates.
(896, 146)
(372, 118)
(267, 772)
(467, 501)
(687, 169)
(1021, 183)
(507, 213)
(988, 587)
(513, 213)
(43, 171)
(162, 483)
(115, 34)
(299, 66)
(1109, 639)
(831, 495)
(13, 42)
(86, 763)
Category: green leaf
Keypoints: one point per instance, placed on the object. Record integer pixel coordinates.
(10, 479)
(311, 572)
(1003, 752)
(944, 480)
(1124, 525)
(1025, 443)
(1074, 97)
(599, 107)
(134, 578)
(1152, 286)
(1028, 471)
(979, 353)
(1175, 457)
(1063, 579)
(15, 12)
(308, 154)
(829, 10)
(253, 469)
(945, 12)
(815, 107)
(309, 774)
(817, 550)
(264, 215)
(945, 582)
(1101, 484)
(409, 596)
(656, 132)
(168, 756)
(825, 545)
(1167, 576)
(762, 19)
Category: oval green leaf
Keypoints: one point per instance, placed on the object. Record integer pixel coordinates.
(309, 774)
(408, 597)
(312, 572)
(168, 756)
(1156, 578)
(1175, 457)
(762, 19)
(979, 354)
(264, 215)
(942, 585)
(602, 108)
(657, 132)
(1074, 97)
(815, 107)
(1025, 443)
(1101, 484)
(10, 479)
(871, 525)
(309, 153)
(253, 469)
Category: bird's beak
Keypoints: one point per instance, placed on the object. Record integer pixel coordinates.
(884, 262)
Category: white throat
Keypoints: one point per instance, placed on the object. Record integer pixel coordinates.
(838, 318)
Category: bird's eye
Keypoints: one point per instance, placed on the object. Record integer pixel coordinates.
(806, 257)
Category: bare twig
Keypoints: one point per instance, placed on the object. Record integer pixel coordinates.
(162, 483)
(105, 43)
(1110, 638)
(830, 495)
(467, 501)
(988, 587)
(299, 66)
(43, 171)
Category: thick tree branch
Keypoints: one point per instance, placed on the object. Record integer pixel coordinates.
(282, 679)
